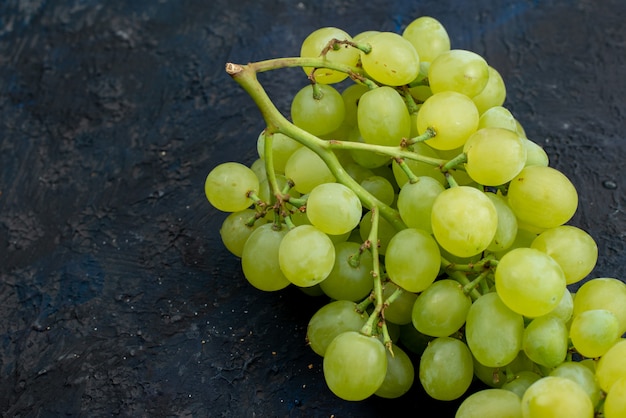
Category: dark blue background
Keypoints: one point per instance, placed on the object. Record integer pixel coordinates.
(116, 294)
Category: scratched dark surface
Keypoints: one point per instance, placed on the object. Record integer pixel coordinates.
(117, 297)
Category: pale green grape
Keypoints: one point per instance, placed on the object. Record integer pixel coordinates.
(493, 331)
(506, 232)
(380, 188)
(493, 94)
(446, 368)
(494, 156)
(235, 230)
(523, 238)
(413, 340)
(400, 375)
(354, 365)
(399, 311)
(497, 117)
(535, 154)
(440, 310)
(594, 331)
(318, 110)
(615, 402)
(497, 377)
(357, 171)
(306, 255)
(458, 70)
(428, 36)
(307, 170)
(453, 117)
(385, 231)
(258, 168)
(412, 259)
(365, 158)
(574, 249)
(259, 259)
(282, 148)
(490, 403)
(227, 186)
(317, 41)
(546, 340)
(351, 96)
(565, 308)
(521, 381)
(334, 208)
(415, 202)
(382, 117)
(392, 60)
(556, 397)
(464, 220)
(331, 320)
(417, 167)
(351, 277)
(529, 282)
(612, 365)
(603, 293)
(581, 374)
(542, 197)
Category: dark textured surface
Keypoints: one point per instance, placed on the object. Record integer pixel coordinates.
(116, 294)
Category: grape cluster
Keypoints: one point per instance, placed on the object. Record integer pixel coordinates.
(402, 189)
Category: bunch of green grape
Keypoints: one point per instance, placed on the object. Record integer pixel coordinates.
(402, 190)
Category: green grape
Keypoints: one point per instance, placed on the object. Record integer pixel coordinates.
(385, 231)
(565, 308)
(399, 311)
(412, 259)
(413, 340)
(351, 277)
(351, 96)
(490, 403)
(573, 248)
(556, 397)
(453, 117)
(307, 170)
(363, 36)
(258, 168)
(440, 310)
(382, 117)
(529, 282)
(400, 375)
(354, 365)
(417, 167)
(331, 320)
(520, 382)
(235, 230)
(380, 188)
(446, 368)
(428, 36)
(464, 220)
(227, 186)
(458, 70)
(546, 340)
(497, 117)
(506, 231)
(594, 331)
(282, 148)
(497, 377)
(334, 208)
(318, 109)
(523, 238)
(603, 293)
(259, 259)
(493, 94)
(317, 41)
(542, 197)
(581, 374)
(494, 156)
(535, 154)
(415, 202)
(612, 365)
(392, 61)
(306, 255)
(365, 158)
(493, 331)
(615, 402)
